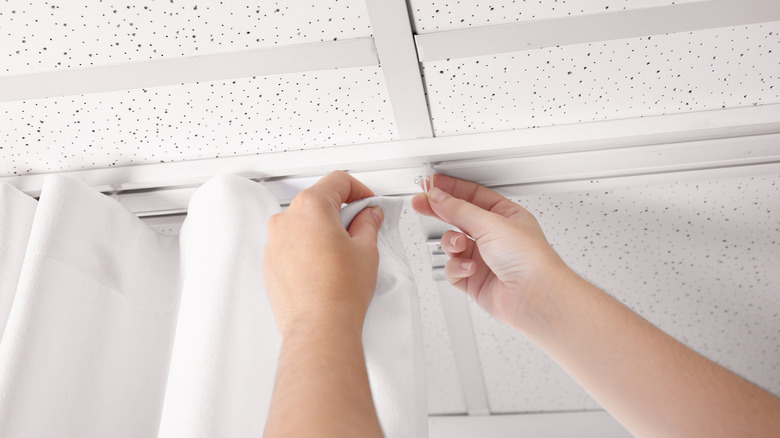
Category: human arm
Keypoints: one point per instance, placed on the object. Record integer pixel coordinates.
(651, 383)
(320, 279)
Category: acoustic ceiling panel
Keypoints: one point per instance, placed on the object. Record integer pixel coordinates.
(39, 36)
(673, 73)
(697, 259)
(192, 121)
(441, 15)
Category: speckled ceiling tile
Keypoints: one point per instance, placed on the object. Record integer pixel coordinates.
(48, 35)
(192, 121)
(697, 259)
(635, 77)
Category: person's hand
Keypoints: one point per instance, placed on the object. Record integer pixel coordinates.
(316, 272)
(503, 261)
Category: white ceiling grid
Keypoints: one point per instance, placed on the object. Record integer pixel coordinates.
(39, 36)
(674, 73)
(442, 15)
(697, 259)
(445, 395)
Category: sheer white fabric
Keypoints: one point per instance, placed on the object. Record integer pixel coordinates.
(115, 330)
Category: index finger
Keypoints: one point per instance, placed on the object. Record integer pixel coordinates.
(473, 193)
(339, 187)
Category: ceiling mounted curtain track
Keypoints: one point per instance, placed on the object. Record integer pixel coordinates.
(709, 144)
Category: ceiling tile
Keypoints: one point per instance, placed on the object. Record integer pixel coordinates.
(192, 121)
(39, 36)
(697, 259)
(693, 71)
(440, 15)
(442, 383)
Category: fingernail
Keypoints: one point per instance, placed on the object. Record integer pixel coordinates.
(378, 214)
(436, 194)
(466, 266)
(454, 240)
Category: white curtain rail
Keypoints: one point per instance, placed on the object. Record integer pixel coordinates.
(708, 159)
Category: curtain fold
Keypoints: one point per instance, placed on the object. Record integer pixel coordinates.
(86, 348)
(115, 330)
(392, 334)
(221, 375)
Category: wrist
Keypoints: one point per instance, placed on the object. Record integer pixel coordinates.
(548, 298)
(336, 323)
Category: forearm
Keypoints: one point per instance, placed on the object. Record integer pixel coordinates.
(650, 382)
(322, 387)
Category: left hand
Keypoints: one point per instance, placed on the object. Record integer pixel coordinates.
(316, 272)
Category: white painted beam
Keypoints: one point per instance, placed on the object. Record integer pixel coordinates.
(527, 35)
(398, 58)
(144, 74)
(593, 424)
(457, 318)
(380, 161)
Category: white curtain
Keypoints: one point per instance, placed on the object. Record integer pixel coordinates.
(110, 329)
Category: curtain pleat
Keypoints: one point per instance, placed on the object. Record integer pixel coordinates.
(224, 357)
(115, 330)
(87, 344)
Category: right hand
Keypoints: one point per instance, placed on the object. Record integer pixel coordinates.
(503, 260)
(316, 272)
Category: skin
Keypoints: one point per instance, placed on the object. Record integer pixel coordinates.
(320, 279)
(652, 384)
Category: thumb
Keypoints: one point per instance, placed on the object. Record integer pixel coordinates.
(473, 220)
(365, 226)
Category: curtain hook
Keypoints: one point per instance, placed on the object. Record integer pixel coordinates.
(426, 179)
